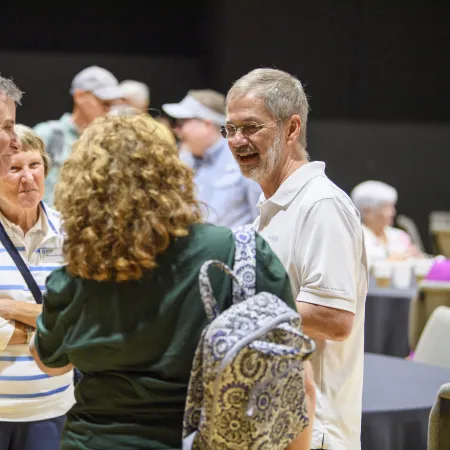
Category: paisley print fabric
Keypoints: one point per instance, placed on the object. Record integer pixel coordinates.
(246, 390)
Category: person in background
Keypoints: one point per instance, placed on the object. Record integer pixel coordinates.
(376, 202)
(230, 198)
(134, 246)
(137, 101)
(316, 232)
(32, 404)
(94, 90)
(136, 94)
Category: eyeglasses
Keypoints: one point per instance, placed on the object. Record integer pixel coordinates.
(229, 130)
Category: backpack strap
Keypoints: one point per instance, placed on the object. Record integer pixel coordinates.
(210, 304)
(244, 263)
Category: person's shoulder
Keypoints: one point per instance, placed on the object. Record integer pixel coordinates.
(47, 125)
(45, 129)
(209, 234)
(205, 242)
(323, 193)
(59, 282)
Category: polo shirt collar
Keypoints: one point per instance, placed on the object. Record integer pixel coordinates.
(295, 183)
(39, 227)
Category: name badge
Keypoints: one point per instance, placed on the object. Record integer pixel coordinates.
(51, 254)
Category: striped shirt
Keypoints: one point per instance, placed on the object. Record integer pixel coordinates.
(26, 393)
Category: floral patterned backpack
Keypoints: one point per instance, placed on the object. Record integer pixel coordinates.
(246, 389)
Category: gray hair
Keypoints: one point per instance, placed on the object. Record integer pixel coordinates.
(137, 93)
(123, 110)
(10, 89)
(373, 194)
(281, 92)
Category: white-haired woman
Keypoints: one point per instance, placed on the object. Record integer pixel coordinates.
(376, 202)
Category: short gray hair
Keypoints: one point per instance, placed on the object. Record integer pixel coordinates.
(10, 89)
(137, 93)
(281, 92)
(372, 194)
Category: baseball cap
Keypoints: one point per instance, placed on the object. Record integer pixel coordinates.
(101, 82)
(191, 108)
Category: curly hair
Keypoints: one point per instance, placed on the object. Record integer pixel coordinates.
(123, 195)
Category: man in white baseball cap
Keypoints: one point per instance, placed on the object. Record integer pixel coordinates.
(99, 82)
(231, 198)
(94, 91)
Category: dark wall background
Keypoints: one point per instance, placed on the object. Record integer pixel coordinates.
(376, 72)
(45, 78)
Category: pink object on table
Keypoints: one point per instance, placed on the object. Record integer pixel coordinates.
(440, 271)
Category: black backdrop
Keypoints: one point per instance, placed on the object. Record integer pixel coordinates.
(376, 72)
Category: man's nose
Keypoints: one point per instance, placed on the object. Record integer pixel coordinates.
(238, 140)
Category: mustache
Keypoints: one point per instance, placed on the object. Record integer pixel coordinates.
(246, 149)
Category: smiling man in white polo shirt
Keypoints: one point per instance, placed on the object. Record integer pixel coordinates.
(316, 232)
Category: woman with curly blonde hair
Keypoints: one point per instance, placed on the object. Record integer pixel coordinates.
(126, 310)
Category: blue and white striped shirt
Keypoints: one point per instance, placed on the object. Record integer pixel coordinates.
(26, 393)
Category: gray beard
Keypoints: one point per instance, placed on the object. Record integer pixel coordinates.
(267, 167)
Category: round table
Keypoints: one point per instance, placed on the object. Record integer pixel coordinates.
(397, 398)
(386, 320)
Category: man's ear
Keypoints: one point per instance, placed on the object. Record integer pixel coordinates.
(293, 130)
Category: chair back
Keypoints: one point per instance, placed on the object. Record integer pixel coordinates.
(439, 224)
(407, 224)
(434, 343)
(430, 295)
(439, 423)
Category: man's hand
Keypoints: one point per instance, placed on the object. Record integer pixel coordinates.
(20, 311)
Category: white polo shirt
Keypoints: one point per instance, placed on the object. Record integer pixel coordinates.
(316, 231)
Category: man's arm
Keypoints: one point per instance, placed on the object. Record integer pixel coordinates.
(20, 311)
(322, 322)
(328, 256)
(54, 372)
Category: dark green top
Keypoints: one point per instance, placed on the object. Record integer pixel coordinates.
(134, 341)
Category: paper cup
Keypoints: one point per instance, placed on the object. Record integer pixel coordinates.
(421, 267)
(402, 274)
(382, 272)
